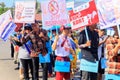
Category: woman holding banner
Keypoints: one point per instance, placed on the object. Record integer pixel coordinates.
(24, 53)
(35, 48)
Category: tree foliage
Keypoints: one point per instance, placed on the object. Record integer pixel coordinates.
(38, 7)
(3, 8)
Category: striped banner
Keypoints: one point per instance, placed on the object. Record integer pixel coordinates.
(7, 27)
(8, 30)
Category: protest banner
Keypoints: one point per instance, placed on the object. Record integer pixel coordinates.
(89, 66)
(25, 11)
(6, 25)
(54, 12)
(84, 15)
(108, 11)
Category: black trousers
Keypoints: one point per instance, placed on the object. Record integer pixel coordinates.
(88, 76)
(45, 70)
(27, 63)
(35, 62)
(12, 50)
(50, 65)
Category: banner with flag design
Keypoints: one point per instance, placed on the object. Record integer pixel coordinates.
(7, 27)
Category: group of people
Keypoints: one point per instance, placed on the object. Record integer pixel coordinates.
(33, 42)
(102, 48)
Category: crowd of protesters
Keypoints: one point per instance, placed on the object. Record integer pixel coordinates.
(59, 47)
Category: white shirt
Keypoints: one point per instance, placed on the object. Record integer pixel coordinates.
(23, 53)
(65, 50)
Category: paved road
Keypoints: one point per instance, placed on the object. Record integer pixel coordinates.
(7, 71)
(7, 66)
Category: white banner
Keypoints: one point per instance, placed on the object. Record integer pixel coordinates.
(109, 13)
(54, 12)
(25, 11)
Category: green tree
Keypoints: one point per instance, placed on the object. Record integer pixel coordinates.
(38, 8)
(3, 8)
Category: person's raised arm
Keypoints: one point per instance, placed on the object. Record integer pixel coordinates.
(117, 47)
(55, 42)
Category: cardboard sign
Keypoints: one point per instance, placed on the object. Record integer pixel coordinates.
(25, 11)
(54, 12)
(7, 27)
(44, 59)
(84, 15)
(88, 66)
(62, 66)
(112, 77)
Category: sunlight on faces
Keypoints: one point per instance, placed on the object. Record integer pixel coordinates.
(66, 30)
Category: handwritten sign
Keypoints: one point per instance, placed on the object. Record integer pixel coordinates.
(44, 59)
(62, 66)
(24, 11)
(89, 66)
(7, 27)
(83, 15)
(54, 12)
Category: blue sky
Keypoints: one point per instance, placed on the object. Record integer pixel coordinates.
(10, 3)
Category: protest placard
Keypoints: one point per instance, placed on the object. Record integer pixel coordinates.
(89, 66)
(69, 4)
(25, 11)
(44, 59)
(62, 66)
(83, 15)
(54, 12)
(112, 77)
(108, 11)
